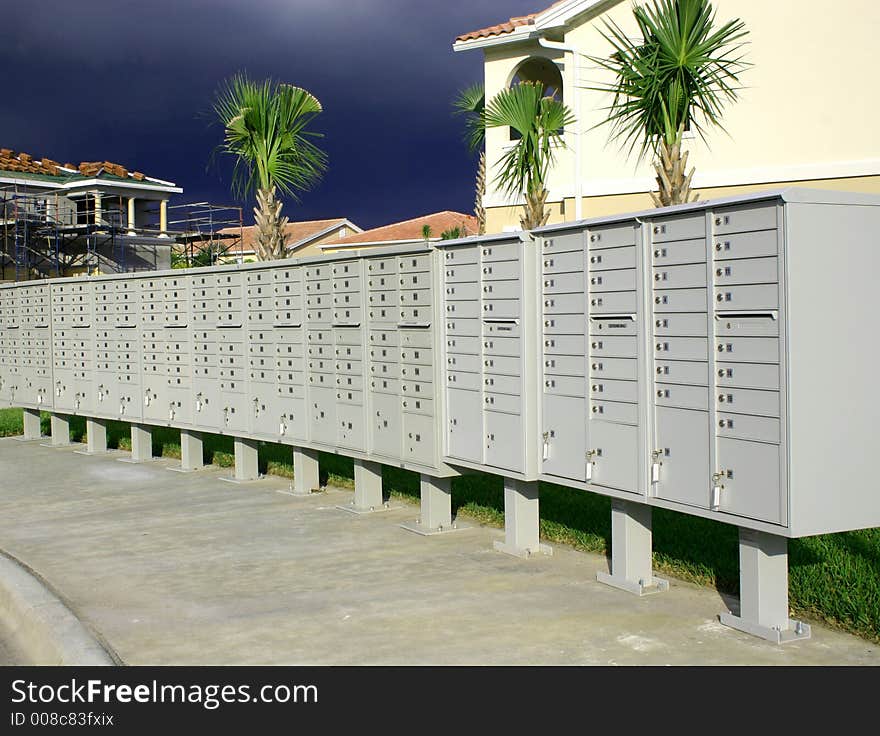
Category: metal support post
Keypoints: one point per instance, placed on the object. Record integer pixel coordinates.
(60, 425)
(305, 471)
(246, 460)
(435, 516)
(96, 437)
(367, 489)
(32, 429)
(763, 590)
(521, 520)
(631, 549)
(141, 444)
(190, 452)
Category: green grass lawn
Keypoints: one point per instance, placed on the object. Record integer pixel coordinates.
(834, 578)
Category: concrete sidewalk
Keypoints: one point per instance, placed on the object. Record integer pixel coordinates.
(171, 568)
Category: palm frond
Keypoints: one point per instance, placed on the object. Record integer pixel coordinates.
(540, 122)
(682, 72)
(266, 130)
(471, 102)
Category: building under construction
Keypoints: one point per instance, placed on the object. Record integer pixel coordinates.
(98, 217)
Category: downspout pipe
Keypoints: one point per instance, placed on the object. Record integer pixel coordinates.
(565, 48)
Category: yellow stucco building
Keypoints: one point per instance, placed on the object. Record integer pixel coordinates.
(807, 114)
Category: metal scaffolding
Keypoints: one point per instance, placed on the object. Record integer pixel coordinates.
(45, 234)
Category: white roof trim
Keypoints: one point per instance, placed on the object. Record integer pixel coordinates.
(373, 243)
(133, 184)
(343, 222)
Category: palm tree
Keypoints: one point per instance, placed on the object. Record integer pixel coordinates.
(540, 122)
(265, 124)
(471, 102)
(678, 76)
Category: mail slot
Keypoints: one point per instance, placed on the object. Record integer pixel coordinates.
(683, 227)
(501, 308)
(462, 292)
(563, 263)
(379, 369)
(680, 300)
(747, 271)
(501, 365)
(619, 280)
(460, 326)
(746, 245)
(562, 365)
(747, 297)
(620, 368)
(565, 324)
(501, 252)
(466, 345)
(741, 426)
(503, 270)
(460, 379)
(509, 403)
(613, 302)
(747, 401)
(744, 325)
(614, 411)
(744, 218)
(510, 346)
(681, 348)
(468, 254)
(680, 277)
(613, 258)
(684, 251)
(681, 324)
(383, 337)
(564, 283)
(416, 338)
(747, 349)
(417, 355)
(563, 243)
(747, 375)
(683, 397)
(682, 371)
(564, 385)
(613, 390)
(462, 273)
(613, 347)
(611, 236)
(502, 384)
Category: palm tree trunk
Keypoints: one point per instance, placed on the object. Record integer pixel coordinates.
(269, 245)
(535, 213)
(479, 209)
(674, 185)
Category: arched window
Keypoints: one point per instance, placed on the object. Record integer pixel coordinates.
(542, 70)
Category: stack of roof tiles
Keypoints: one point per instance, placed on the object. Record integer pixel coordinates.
(24, 162)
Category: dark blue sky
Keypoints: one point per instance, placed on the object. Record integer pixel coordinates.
(132, 82)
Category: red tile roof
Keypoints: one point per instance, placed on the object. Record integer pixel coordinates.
(24, 162)
(411, 230)
(506, 27)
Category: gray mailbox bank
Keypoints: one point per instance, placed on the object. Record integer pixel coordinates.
(709, 358)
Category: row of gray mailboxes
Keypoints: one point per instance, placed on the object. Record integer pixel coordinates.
(715, 358)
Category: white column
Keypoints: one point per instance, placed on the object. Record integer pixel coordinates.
(163, 218)
(131, 230)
